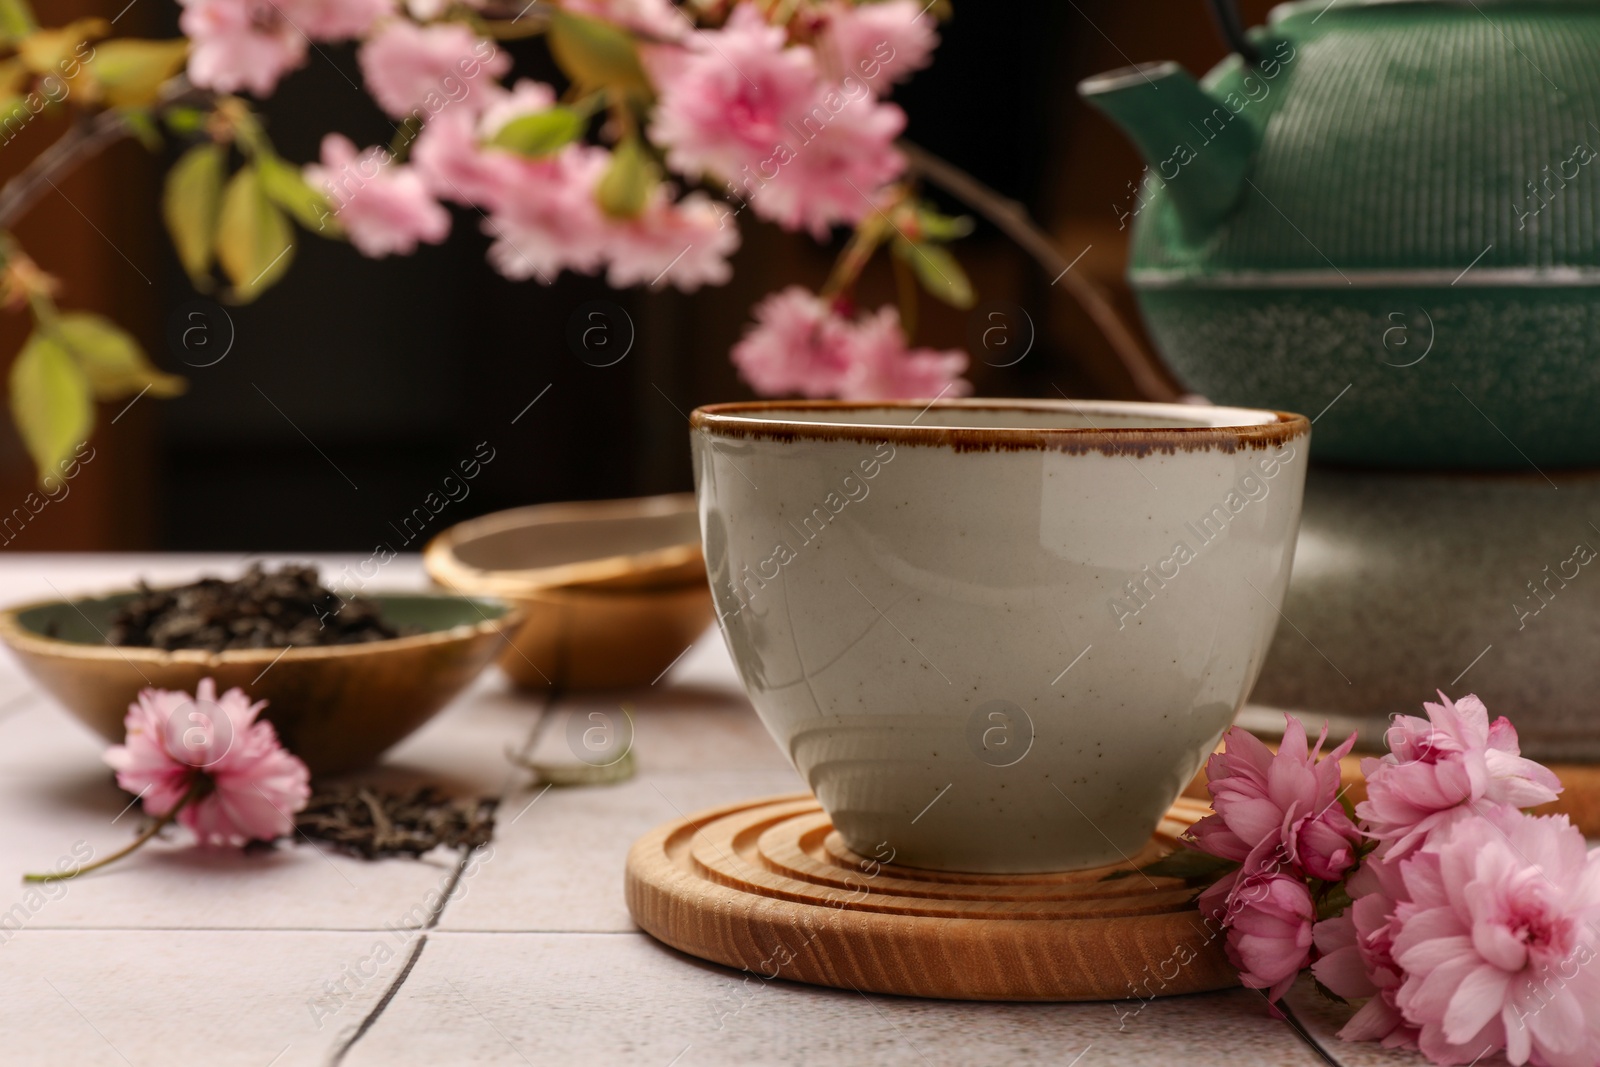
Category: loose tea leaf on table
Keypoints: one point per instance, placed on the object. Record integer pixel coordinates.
(373, 823)
(262, 609)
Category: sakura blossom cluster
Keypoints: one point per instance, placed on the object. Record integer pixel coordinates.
(779, 108)
(803, 344)
(796, 131)
(1466, 925)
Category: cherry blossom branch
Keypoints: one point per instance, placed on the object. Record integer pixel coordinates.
(87, 138)
(1012, 220)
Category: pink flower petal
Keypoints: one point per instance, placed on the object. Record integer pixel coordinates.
(1477, 1000)
(1376, 1019)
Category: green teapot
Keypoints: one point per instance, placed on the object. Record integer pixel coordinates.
(1387, 217)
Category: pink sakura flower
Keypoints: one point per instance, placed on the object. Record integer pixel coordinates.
(549, 220)
(409, 67)
(658, 19)
(725, 101)
(1498, 941)
(1439, 768)
(801, 344)
(251, 44)
(877, 43)
(428, 10)
(1269, 921)
(798, 344)
(244, 785)
(884, 369)
(384, 207)
(843, 152)
(1278, 809)
(542, 212)
(455, 166)
(686, 243)
(240, 45)
(1356, 961)
(335, 20)
(740, 105)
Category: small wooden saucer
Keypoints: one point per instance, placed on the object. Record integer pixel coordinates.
(768, 886)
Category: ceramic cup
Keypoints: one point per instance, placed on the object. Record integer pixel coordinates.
(997, 635)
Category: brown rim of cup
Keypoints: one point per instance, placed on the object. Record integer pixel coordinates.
(751, 420)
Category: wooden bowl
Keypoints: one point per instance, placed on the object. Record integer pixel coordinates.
(614, 590)
(336, 707)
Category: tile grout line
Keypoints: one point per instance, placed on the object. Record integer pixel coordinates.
(437, 913)
(383, 1002)
(371, 1017)
(1310, 1040)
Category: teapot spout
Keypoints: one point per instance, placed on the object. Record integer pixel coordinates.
(1198, 149)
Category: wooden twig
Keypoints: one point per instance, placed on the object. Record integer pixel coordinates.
(1013, 221)
(87, 138)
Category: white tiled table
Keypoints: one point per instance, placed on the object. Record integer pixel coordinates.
(183, 956)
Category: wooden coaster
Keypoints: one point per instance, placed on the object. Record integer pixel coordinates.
(768, 886)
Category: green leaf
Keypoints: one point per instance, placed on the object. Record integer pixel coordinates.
(133, 71)
(288, 188)
(254, 240)
(1188, 864)
(541, 133)
(16, 20)
(49, 51)
(405, 135)
(938, 271)
(595, 54)
(190, 203)
(111, 359)
(50, 401)
(937, 227)
(185, 120)
(14, 78)
(625, 188)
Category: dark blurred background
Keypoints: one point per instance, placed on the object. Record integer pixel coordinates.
(353, 387)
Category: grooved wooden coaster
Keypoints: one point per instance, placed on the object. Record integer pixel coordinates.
(769, 887)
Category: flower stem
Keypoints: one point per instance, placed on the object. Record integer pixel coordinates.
(154, 829)
(1013, 221)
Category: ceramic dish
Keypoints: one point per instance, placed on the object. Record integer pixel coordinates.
(614, 590)
(336, 707)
